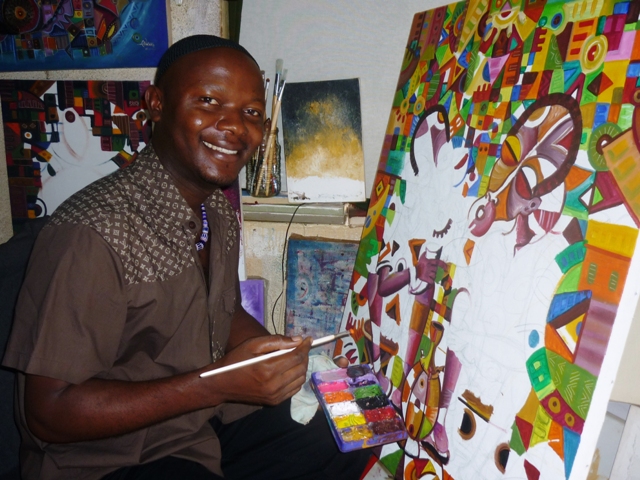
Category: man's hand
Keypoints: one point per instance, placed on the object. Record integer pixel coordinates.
(269, 382)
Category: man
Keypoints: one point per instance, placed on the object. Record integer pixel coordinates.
(132, 292)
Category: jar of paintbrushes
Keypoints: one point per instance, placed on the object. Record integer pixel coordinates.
(263, 170)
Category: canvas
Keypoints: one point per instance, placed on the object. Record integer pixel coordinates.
(61, 136)
(318, 273)
(79, 34)
(322, 132)
(497, 272)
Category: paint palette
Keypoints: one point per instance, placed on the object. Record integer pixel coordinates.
(358, 411)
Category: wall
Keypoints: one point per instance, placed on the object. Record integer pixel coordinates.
(193, 16)
(337, 39)
(264, 243)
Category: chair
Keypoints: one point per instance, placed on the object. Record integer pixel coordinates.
(14, 256)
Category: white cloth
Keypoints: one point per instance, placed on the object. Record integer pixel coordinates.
(304, 404)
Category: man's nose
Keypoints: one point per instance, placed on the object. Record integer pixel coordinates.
(231, 120)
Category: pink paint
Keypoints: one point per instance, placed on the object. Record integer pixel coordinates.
(332, 387)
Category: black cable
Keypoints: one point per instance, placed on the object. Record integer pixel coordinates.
(284, 250)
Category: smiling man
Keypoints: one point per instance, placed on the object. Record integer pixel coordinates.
(132, 291)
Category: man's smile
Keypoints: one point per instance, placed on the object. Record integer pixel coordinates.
(219, 149)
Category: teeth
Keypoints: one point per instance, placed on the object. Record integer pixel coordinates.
(220, 149)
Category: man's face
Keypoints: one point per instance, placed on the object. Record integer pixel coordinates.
(211, 117)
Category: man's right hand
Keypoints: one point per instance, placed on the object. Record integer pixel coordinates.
(265, 383)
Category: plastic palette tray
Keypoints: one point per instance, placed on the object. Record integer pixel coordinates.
(358, 412)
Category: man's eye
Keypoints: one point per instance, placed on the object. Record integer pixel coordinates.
(209, 100)
(254, 113)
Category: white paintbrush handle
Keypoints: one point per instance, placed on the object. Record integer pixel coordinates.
(267, 356)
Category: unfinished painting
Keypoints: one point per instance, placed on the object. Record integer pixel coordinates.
(77, 34)
(490, 287)
(318, 273)
(322, 131)
(61, 136)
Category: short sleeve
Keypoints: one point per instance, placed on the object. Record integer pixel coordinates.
(72, 307)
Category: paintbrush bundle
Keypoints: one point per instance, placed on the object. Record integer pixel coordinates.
(263, 171)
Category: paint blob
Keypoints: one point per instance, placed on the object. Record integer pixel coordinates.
(335, 397)
(343, 408)
(332, 387)
(350, 420)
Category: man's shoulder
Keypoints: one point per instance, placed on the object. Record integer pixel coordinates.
(110, 198)
(139, 213)
(91, 206)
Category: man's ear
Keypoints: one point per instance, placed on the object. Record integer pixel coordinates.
(153, 97)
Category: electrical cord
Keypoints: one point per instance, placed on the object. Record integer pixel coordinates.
(284, 250)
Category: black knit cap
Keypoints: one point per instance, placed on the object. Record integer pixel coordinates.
(192, 44)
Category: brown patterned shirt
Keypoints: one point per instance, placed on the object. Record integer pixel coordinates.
(115, 290)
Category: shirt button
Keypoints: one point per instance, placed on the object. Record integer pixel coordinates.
(192, 225)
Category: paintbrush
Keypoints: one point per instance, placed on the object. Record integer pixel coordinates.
(276, 102)
(317, 342)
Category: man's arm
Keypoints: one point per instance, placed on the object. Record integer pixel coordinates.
(61, 412)
(243, 327)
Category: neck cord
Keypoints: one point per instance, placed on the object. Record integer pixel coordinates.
(204, 236)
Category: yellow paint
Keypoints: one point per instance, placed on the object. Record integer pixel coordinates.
(361, 432)
(616, 71)
(350, 420)
(475, 10)
(613, 238)
(622, 159)
(541, 427)
(576, 11)
(333, 151)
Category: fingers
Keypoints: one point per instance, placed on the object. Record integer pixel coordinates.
(270, 381)
(261, 345)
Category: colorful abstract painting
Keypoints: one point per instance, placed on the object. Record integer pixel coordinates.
(78, 34)
(318, 273)
(322, 132)
(490, 290)
(61, 136)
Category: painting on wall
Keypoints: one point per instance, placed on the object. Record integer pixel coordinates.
(490, 287)
(79, 34)
(318, 273)
(61, 136)
(322, 132)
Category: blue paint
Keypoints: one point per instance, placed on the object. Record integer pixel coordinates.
(534, 338)
(564, 302)
(571, 442)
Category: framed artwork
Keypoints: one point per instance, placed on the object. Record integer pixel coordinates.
(497, 273)
(61, 136)
(322, 132)
(318, 273)
(79, 34)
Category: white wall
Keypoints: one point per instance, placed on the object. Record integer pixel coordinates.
(337, 39)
